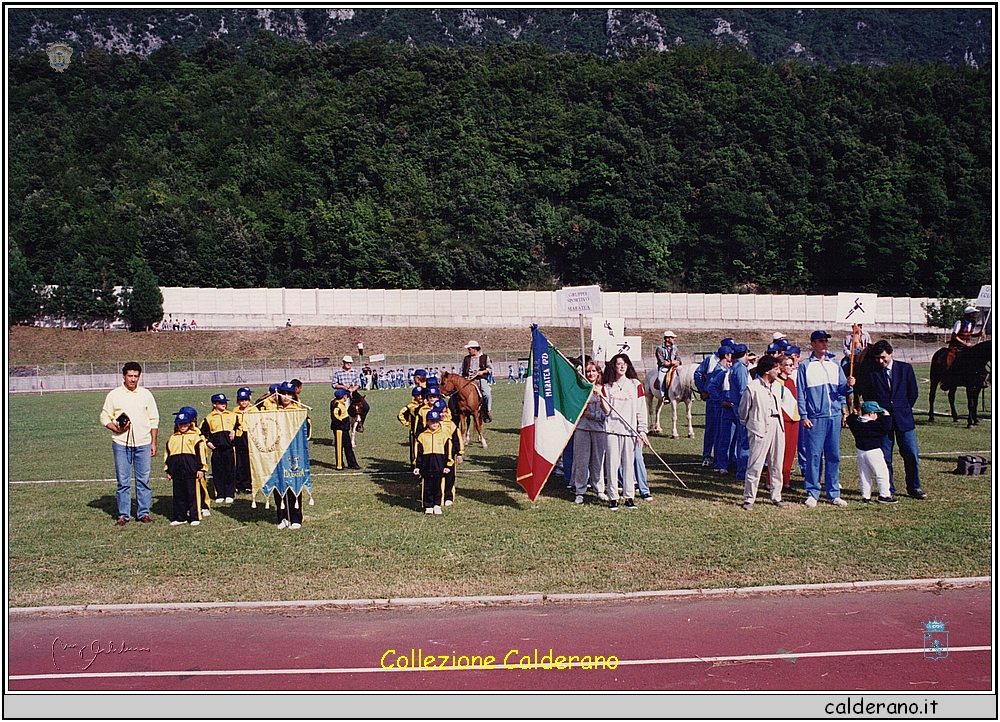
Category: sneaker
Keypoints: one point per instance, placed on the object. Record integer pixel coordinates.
(177, 523)
(613, 505)
(810, 502)
(206, 512)
(296, 525)
(356, 467)
(647, 497)
(121, 521)
(602, 496)
(779, 503)
(437, 510)
(448, 502)
(865, 499)
(747, 506)
(283, 524)
(578, 499)
(229, 500)
(195, 523)
(630, 505)
(428, 510)
(707, 461)
(838, 502)
(723, 471)
(918, 494)
(219, 500)
(888, 500)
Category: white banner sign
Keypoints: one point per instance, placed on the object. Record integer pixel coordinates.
(984, 300)
(630, 345)
(578, 299)
(377, 357)
(607, 328)
(856, 308)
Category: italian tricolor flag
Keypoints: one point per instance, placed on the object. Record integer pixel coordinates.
(554, 400)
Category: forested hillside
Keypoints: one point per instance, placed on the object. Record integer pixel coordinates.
(508, 166)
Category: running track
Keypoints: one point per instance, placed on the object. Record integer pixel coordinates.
(786, 642)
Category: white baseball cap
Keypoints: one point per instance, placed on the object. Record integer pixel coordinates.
(348, 359)
(669, 334)
(776, 335)
(971, 309)
(472, 344)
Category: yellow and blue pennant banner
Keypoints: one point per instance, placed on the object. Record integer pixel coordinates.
(279, 452)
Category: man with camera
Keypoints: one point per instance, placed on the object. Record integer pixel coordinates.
(130, 413)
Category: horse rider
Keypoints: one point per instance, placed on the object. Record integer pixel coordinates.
(963, 335)
(349, 379)
(861, 342)
(476, 366)
(668, 358)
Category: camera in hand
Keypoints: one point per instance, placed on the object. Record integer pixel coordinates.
(122, 421)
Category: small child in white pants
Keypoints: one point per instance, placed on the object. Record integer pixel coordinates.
(869, 429)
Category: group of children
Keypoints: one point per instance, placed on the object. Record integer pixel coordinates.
(436, 446)
(223, 433)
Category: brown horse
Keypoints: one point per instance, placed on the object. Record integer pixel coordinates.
(465, 402)
(970, 369)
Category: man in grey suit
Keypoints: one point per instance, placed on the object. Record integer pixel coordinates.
(760, 413)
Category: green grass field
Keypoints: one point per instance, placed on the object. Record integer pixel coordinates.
(365, 536)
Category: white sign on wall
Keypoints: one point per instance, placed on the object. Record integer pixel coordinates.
(579, 299)
(856, 308)
(984, 300)
(376, 357)
(613, 328)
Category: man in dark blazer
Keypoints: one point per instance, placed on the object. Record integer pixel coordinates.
(894, 386)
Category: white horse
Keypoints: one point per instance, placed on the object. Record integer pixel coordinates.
(681, 391)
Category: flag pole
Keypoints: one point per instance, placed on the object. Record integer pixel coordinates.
(629, 427)
(583, 348)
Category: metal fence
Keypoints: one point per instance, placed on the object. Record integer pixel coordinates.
(263, 372)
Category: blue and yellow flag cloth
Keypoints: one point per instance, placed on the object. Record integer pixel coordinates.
(279, 452)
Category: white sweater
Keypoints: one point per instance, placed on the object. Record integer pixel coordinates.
(628, 399)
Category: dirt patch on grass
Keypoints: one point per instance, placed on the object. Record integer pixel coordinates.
(31, 346)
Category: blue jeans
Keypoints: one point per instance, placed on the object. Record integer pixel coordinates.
(821, 442)
(129, 460)
(487, 395)
(908, 450)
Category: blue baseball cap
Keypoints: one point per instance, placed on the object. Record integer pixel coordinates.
(286, 387)
(440, 405)
(432, 390)
(417, 391)
(818, 335)
(340, 393)
(739, 349)
(420, 372)
(186, 415)
(793, 350)
(773, 348)
(272, 388)
(872, 407)
(219, 399)
(244, 393)
(727, 341)
(724, 350)
(433, 415)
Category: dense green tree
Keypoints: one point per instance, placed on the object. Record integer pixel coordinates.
(506, 166)
(24, 302)
(141, 300)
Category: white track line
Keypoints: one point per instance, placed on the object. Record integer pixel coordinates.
(790, 656)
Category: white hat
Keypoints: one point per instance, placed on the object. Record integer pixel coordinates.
(971, 309)
(472, 344)
(776, 335)
(348, 359)
(669, 334)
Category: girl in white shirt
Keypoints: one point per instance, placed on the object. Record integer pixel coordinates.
(624, 403)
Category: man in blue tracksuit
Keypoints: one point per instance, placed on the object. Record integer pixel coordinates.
(701, 375)
(739, 378)
(822, 388)
(717, 387)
